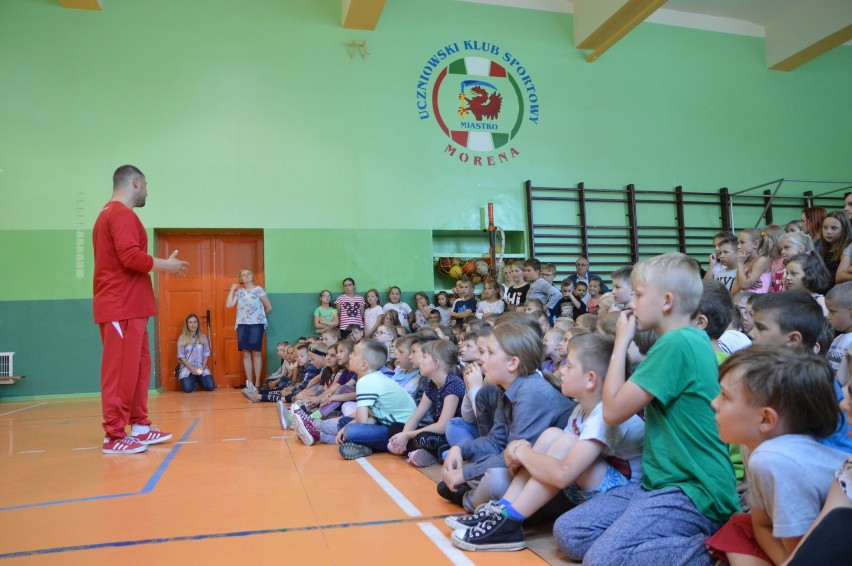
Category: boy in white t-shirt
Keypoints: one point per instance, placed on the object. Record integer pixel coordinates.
(587, 458)
(723, 262)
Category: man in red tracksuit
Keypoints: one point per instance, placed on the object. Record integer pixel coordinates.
(123, 301)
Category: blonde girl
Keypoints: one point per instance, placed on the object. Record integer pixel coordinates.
(491, 303)
(325, 315)
(391, 317)
(373, 314)
(512, 359)
(420, 317)
(193, 351)
(396, 304)
(439, 362)
(793, 244)
(772, 234)
(806, 272)
(752, 263)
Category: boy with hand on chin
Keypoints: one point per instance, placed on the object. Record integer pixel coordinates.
(688, 488)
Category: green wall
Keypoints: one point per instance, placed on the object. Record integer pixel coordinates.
(253, 115)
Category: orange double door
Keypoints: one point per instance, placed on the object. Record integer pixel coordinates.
(215, 260)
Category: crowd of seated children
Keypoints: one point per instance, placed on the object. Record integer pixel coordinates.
(573, 465)
(484, 422)
(687, 489)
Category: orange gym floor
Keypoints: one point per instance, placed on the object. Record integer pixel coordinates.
(230, 488)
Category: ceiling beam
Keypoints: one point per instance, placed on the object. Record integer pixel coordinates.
(805, 31)
(600, 24)
(362, 14)
(82, 4)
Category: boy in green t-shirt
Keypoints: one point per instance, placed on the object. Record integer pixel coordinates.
(688, 487)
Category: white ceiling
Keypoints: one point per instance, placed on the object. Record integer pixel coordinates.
(741, 17)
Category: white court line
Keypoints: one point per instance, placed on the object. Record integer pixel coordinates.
(31, 451)
(279, 437)
(87, 448)
(187, 442)
(232, 439)
(389, 488)
(22, 409)
(440, 540)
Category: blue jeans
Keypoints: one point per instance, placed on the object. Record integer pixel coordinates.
(205, 381)
(459, 430)
(373, 435)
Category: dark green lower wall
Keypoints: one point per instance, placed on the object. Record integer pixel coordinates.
(58, 347)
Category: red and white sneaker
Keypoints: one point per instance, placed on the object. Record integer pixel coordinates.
(126, 445)
(154, 436)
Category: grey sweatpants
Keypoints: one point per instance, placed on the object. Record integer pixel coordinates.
(629, 525)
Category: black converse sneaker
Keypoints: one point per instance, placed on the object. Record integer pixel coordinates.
(488, 510)
(500, 533)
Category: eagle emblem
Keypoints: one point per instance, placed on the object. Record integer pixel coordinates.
(481, 104)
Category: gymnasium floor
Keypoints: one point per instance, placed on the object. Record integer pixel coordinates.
(230, 488)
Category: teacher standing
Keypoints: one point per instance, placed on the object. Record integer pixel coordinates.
(252, 307)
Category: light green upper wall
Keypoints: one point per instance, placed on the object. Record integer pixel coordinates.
(253, 115)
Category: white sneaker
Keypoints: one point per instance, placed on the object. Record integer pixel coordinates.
(283, 415)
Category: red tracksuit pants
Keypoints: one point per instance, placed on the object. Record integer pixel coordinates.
(125, 374)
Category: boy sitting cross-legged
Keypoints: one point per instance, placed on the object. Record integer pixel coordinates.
(380, 402)
(688, 487)
(586, 459)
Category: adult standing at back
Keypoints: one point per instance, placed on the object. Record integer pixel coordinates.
(252, 307)
(123, 299)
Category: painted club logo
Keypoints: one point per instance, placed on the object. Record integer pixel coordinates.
(480, 99)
